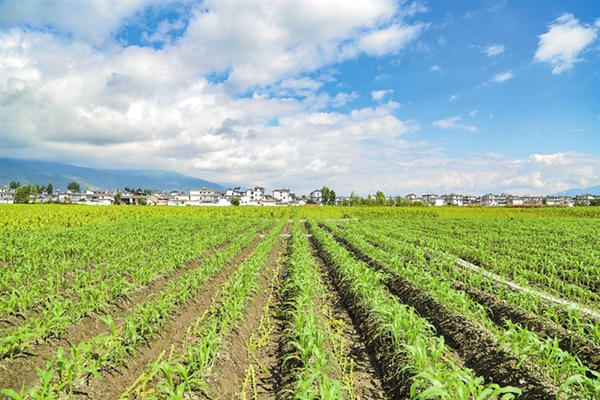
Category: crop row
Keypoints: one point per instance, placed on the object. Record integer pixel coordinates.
(110, 349)
(561, 256)
(537, 354)
(411, 349)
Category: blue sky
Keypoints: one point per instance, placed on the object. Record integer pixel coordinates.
(406, 97)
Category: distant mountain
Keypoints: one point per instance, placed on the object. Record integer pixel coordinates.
(595, 190)
(60, 175)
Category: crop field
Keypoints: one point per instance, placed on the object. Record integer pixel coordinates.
(299, 303)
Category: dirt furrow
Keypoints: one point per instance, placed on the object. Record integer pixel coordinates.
(395, 383)
(587, 351)
(248, 361)
(365, 376)
(475, 346)
(116, 381)
(23, 368)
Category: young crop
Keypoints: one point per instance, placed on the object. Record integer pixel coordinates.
(411, 337)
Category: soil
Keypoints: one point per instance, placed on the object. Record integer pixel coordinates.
(114, 383)
(499, 312)
(22, 368)
(367, 382)
(395, 383)
(234, 363)
(475, 346)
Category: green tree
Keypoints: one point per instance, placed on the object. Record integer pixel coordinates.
(354, 199)
(74, 187)
(328, 196)
(49, 188)
(235, 201)
(379, 198)
(118, 198)
(14, 185)
(35, 192)
(595, 202)
(22, 194)
(325, 195)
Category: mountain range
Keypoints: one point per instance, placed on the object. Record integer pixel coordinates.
(595, 190)
(60, 175)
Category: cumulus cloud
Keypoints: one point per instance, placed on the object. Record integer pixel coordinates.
(565, 40)
(549, 159)
(454, 97)
(453, 123)
(91, 21)
(436, 68)
(378, 95)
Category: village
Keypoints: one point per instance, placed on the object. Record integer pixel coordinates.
(258, 196)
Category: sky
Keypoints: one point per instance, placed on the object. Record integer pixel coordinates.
(467, 97)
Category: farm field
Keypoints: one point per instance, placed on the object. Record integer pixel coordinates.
(305, 302)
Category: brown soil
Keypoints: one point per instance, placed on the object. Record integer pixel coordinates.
(475, 346)
(233, 360)
(499, 312)
(366, 377)
(395, 382)
(22, 368)
(114, 383)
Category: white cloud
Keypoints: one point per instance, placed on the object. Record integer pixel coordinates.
(473, 113)
(436, 68)
(378, 95)
(549, 159)
(453, 123)
(454, 97)
(565, 40)
(504, 76)
(90, 21)
(494, 49)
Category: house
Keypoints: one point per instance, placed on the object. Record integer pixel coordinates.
(256, 193)
(316, 196)
(235, 192)
(584, 199)
(453, 199)
(179, 199)
(433, 199)
(282, 195)
(514, 200)
(469, 200)
(157, 199)
(202, 195)
(411, 197)
(489, 200)
(7, 195)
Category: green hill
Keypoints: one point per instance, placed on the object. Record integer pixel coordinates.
(43, 172)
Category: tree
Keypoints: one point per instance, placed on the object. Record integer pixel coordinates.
(328, 196)
(235, 201)
(324, 195)
(74, 187)
(354, 199)
(379, 198)
(14, 185)
(22, 194)
(49, 188)
(35, 192)
(118, 198)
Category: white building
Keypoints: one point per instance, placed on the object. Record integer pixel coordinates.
(316, 196)
(257, 193)
(202, 195)
(282, 195)
(489, 200)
